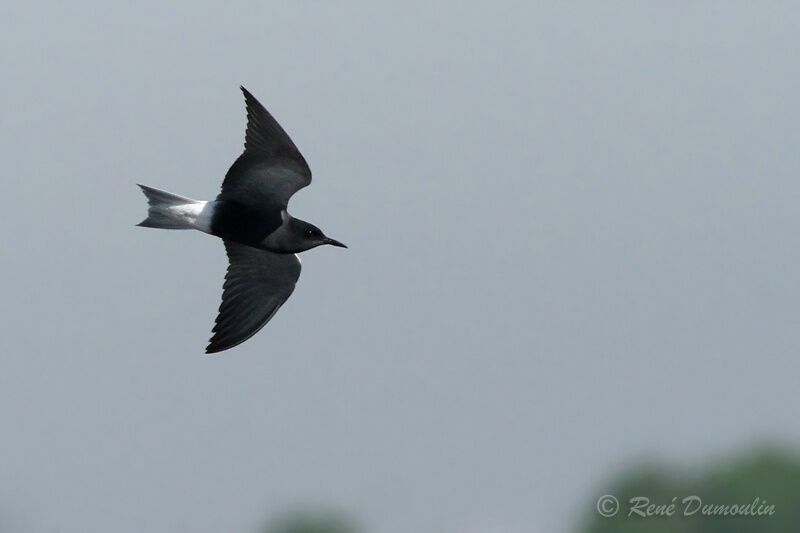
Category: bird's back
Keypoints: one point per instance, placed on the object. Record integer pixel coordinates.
(245, 223)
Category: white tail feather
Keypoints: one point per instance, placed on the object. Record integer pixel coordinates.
(171, 211)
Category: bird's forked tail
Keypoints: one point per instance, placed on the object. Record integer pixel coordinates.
(169, 211)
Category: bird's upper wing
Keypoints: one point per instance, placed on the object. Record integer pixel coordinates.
(258, 282)
(271, 169)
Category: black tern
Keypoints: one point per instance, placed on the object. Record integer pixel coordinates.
(250, 215)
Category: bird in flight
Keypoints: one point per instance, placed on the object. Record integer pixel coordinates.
(261, 238)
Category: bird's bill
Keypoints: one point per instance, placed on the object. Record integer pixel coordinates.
(334, 242)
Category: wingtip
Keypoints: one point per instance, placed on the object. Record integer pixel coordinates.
(215, 347)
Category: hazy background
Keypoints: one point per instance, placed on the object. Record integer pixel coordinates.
(573, 245)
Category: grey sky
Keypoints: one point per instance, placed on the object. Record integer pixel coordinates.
(573, 243)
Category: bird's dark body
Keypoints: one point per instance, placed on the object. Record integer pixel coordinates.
(246, 224)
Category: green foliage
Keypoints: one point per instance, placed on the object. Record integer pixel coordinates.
(772, 476)
(313, 522)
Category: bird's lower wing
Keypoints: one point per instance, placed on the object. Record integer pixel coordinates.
(257, 283)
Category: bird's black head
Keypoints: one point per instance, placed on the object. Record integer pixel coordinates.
(307, 236)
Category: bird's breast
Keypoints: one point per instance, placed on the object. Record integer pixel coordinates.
(243, 223)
